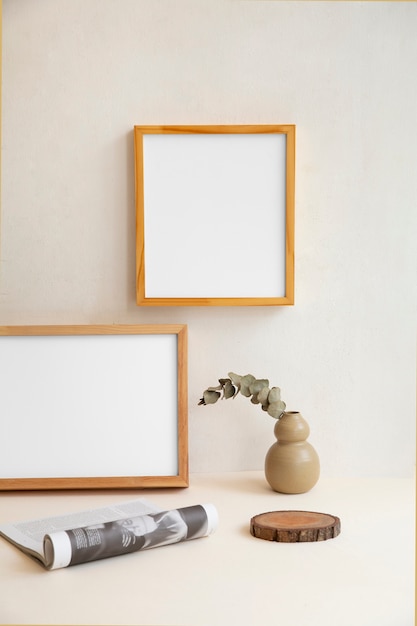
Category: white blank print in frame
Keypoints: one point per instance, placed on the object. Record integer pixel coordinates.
(93, 407)
(215, 215)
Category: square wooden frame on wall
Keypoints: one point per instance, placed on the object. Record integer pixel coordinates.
(215, 215)
(80, 404)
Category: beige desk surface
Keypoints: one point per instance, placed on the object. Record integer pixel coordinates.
(364, 577)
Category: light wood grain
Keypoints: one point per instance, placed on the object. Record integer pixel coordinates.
(95, 329)
(114, 482)
(288, 298)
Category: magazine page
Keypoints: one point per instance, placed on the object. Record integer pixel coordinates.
(122, 536)
(29, 535)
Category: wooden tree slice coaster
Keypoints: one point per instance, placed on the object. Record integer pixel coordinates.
(294, 526)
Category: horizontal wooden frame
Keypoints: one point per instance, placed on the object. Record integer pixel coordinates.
(198, 224)
(136, 399)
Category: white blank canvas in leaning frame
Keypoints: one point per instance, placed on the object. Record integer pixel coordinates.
(215, 215)
(89, 407)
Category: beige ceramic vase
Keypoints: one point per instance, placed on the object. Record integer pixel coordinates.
(292, 464)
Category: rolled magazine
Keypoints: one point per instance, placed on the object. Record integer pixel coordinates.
(100, 541)
(116, 529)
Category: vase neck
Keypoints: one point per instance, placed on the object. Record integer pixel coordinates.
(291, 427)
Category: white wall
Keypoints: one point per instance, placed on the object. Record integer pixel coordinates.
(77, 76)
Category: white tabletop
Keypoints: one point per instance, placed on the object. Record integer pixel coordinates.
(364, 577)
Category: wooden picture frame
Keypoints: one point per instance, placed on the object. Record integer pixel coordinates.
(215, 215)
(93, 407)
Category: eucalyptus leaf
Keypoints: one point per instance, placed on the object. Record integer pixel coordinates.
(210, 396)
(256, 388)
(258, 384)
(274, 395)
(229, 390)
(276, 409)
(263, 395)
(245, 384)
(235, 378)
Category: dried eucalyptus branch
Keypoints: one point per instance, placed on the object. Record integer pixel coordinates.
(257, 389)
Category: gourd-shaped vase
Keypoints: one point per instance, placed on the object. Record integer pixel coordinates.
(292, 464)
